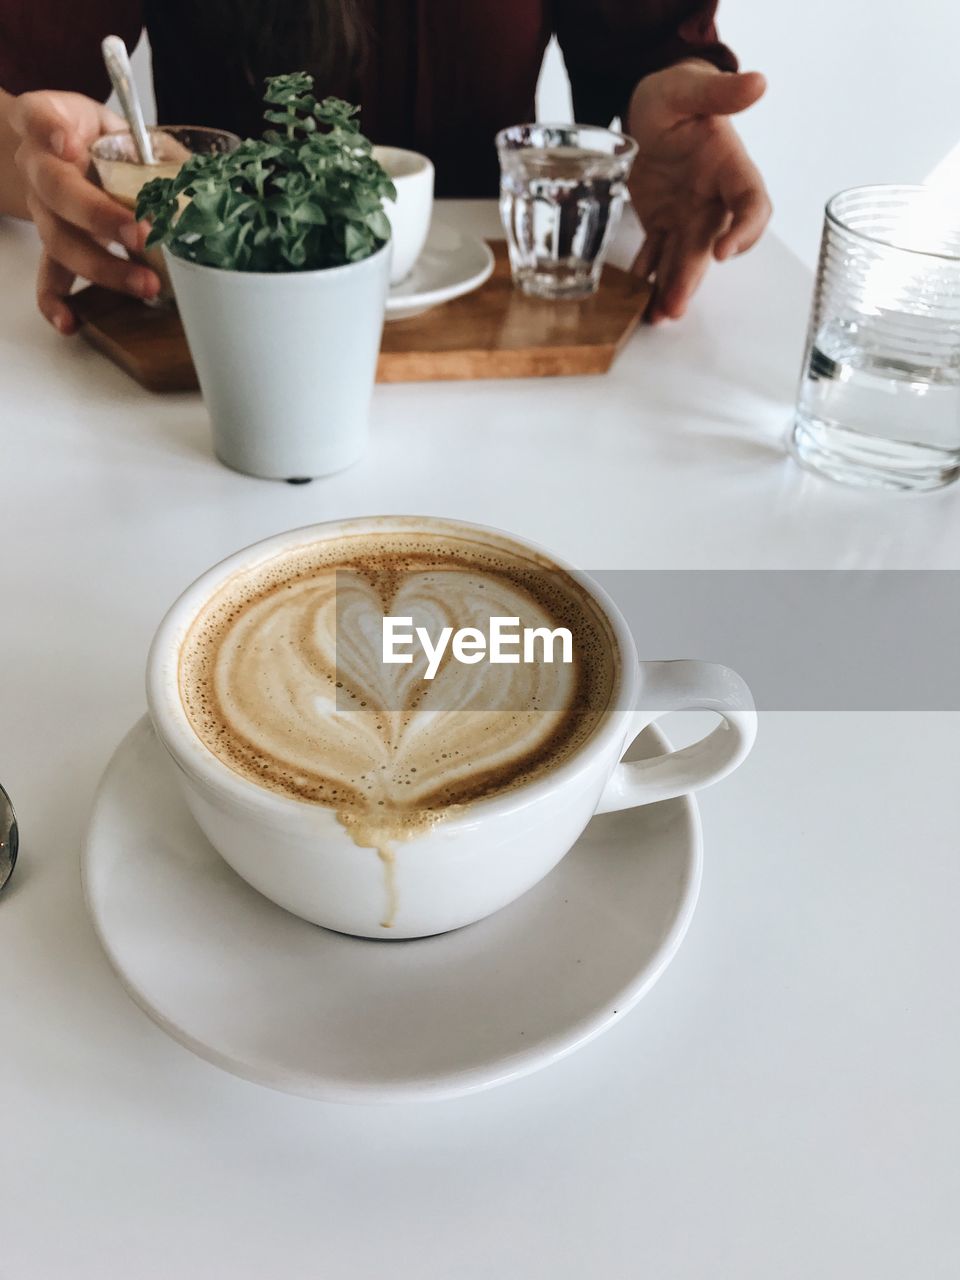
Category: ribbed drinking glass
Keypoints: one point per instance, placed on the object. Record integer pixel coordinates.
(561, 191)
(879, 399)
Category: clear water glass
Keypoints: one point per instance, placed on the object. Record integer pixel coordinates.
(879, 398)
(561, 191)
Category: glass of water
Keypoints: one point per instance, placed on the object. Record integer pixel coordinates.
(561, 191)
(879, 399)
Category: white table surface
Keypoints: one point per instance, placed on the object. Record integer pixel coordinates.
(783, 1104)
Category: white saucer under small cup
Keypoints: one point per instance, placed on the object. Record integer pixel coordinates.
(290, 1005)
(451, 265)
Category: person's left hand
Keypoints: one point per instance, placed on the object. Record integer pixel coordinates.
(696, 191)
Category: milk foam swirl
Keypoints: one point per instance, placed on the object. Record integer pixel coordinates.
(281, 676)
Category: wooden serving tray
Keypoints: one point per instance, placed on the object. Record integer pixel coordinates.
(494, 332)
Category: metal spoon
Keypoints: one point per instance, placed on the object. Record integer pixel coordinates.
(9, 838)
(117, 63)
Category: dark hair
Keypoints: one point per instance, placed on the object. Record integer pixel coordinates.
(272, 37)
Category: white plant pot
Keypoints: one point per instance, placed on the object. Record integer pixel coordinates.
(286, 361)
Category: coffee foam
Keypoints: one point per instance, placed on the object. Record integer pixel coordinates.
(123, 176)
(281, 678)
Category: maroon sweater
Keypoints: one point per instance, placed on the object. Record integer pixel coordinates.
(440, 76)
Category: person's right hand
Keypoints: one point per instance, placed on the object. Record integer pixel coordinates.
(74, 217)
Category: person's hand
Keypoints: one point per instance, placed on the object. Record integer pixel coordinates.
(696, 191)
(74, 217)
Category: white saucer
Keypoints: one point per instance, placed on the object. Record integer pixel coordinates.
(451, 264)
(287, 1004)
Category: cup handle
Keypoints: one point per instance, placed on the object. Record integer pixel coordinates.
(684, 686)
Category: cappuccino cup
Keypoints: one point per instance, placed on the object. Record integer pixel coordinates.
(122, 174)
(409, 214)
(398, 801)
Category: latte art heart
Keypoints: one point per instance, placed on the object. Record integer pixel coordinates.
(283, 678)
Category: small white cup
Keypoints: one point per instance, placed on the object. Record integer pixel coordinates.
(409, 214)
(475, 861)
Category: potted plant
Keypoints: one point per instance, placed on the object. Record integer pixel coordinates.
(279, 256)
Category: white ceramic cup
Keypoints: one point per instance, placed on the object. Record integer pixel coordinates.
(479, 859)
(409, 214)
